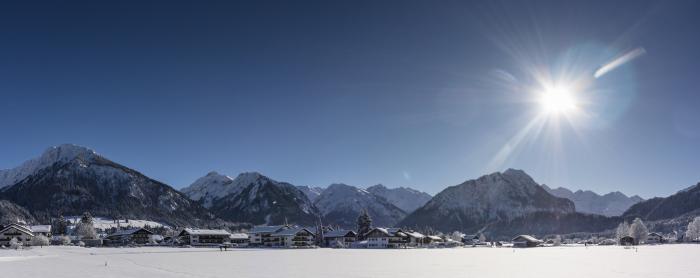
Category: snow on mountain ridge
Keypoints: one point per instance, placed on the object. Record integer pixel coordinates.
(52, 155)
(407, 199)
(610, 204)
(341, 203)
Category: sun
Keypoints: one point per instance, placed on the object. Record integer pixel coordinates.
(558, 101)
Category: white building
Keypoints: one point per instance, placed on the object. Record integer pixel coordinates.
(261, 235)
(294, 237)
(654, 238)
(204, 237)
(339, 238)
(415, 239)
(23, 234)
(239, 239)
(44, 230)
(386, 238)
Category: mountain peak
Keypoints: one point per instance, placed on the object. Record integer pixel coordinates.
(67, 152)
(213, 174)
(52, 155)
(378, 186)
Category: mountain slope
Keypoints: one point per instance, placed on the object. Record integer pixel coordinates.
(209, 188)
(683, 202)
(13, 213)
(498, 197)
(340, 205)
(311, 192)
(74, 179)
(253, 198)
(407, 199)
(611, 204)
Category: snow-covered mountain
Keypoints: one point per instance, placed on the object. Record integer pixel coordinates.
(407, 199)
(312, 192)
(209, 188)
(340, 205)
(491, 198)
(611, 204)
(52, 155)
(686, 201)
(253, 198)
(70, 179)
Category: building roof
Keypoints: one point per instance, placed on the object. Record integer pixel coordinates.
(290, 231)
(381, 230)
(526, 238)
(434, 237)
(393, 230)
(339, 233)
(193, 231)
(238, 236)
(414, 234)
(266, 229)
(127, 232)
(655, 234)
(40, 228)
(18, 227)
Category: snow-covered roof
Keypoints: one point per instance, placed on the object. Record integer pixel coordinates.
(339, 233)
(393, 230)
(238, 236)
(266, 229)
(40, 228)
(192, 231)
(526, 238)
(17, 227)
(290, 231)
(434, 237)
(414, 234)
(128, 232)
(382, 230)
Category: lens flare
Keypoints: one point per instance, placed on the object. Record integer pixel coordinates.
(557, 100)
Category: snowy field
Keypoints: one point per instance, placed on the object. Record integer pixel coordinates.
(105, 223)
(609, 261)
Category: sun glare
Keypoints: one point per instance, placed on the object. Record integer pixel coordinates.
(557, 100)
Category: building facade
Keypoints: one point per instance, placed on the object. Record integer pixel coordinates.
(23, 234)
(204, 237)
(130, 236)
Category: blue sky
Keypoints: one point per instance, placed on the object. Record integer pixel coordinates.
(423, 94)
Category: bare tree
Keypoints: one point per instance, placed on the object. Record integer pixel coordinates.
(639, 231)
(693, 232)
(15, 244)
(623, 230)
(40, 240)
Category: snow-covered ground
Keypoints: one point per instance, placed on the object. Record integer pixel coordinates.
(570, 262)
(106, 223)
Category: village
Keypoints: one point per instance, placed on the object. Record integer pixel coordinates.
(290, 236)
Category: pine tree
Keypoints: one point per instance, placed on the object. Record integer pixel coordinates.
(364, 224)
(86, 218)
(60, 225)
(85, 228)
